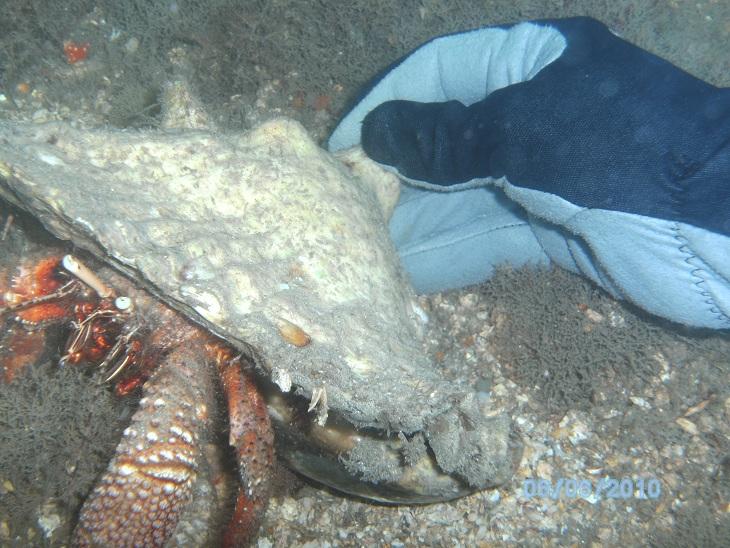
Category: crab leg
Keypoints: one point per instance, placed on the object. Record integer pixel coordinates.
(148, 484)
(34, 298)
(253, 440)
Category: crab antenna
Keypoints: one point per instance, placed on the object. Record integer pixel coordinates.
(84, 273)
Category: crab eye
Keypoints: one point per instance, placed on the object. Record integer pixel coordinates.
(123, 303)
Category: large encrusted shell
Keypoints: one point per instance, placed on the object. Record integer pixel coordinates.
(246, 233)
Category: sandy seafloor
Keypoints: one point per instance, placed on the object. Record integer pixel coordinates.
(594, 389)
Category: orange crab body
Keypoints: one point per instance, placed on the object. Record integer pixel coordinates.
(159, 464)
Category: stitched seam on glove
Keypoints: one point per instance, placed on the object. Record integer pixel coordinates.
(695, 272)
(684, 171)
(537, 238)
(408, 251)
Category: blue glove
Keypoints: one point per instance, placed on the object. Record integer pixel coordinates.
(556, 141)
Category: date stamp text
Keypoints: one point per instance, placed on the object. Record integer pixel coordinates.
(642, 488)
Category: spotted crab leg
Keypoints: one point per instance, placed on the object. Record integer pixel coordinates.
(140, 498)
(252, 438)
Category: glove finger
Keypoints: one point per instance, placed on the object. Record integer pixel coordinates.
(433, 143)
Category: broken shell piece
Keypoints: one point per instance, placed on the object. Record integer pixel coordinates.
(293, 334)
(688, 426)
(281, 378)
(699, 407)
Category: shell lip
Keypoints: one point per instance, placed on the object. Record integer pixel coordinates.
(327, 454)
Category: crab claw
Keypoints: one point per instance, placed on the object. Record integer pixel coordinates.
(150, 481)
(153, 485)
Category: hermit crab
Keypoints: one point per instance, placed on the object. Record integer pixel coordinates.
(263, 258)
